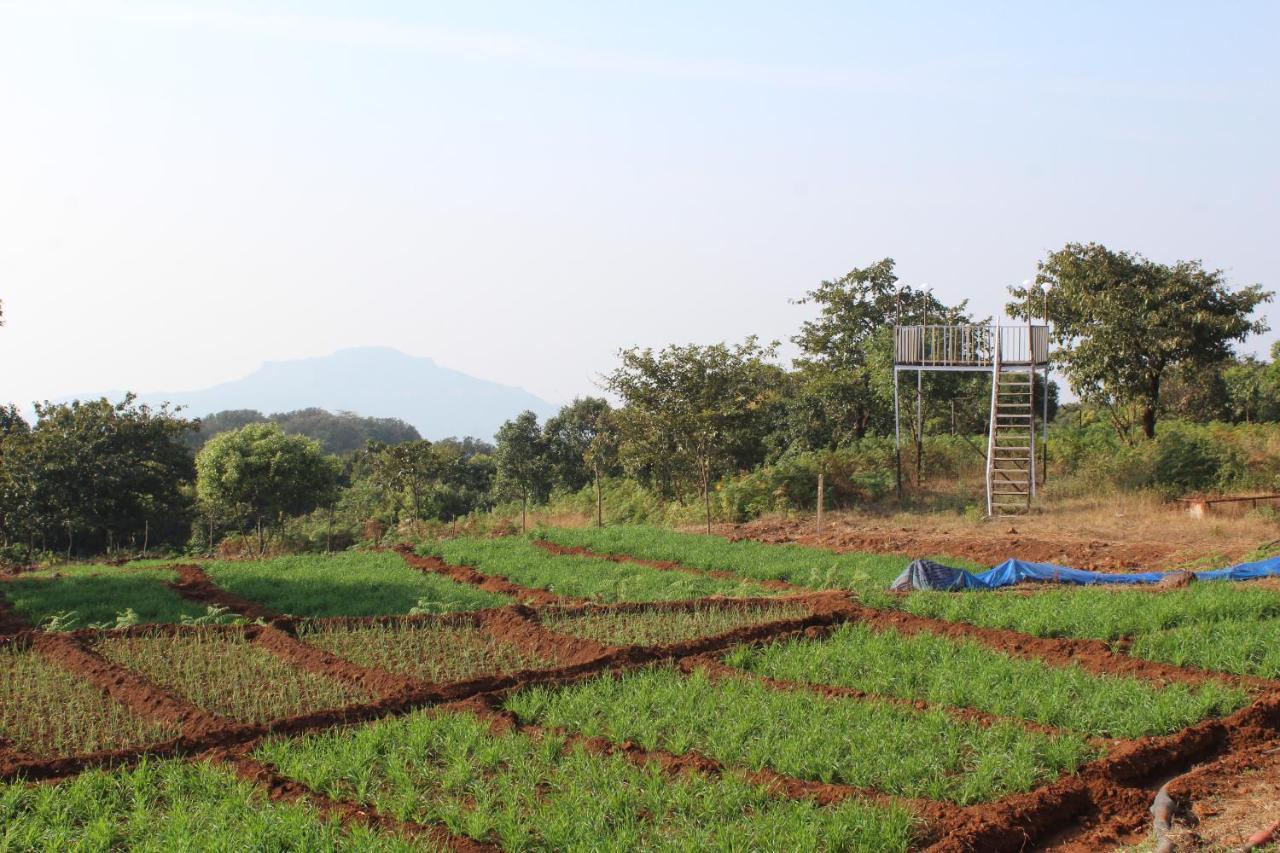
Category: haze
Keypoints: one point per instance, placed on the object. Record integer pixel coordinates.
(518, 190)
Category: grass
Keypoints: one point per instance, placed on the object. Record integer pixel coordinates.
(1241, 646)
(656, 627)
(864, 743)
(46, 711)
(439, 653)
(815, 568)
(167, 805)
(351, 583)
(969, 675)
(96, 593)
(525, 793)
(1101, 614)
(228, 675)
(522, 562)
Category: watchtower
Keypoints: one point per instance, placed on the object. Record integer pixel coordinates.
(1012, 354)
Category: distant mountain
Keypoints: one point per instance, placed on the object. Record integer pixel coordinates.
(374, 381)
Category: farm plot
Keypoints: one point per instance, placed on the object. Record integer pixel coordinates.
(524, 792)
(947, 673)
(520, 561)
(347, 584)
(167, 805)
(85, 595)
(223, 672)
(814, 568)
(656, 627)
(46, 711)
(864, 743)
(435, 651)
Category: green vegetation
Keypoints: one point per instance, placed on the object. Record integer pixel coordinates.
(1101, 614)
(47, 711)
(257, 475)
(865, 743)
(654, 627)
(430, 652)
(167, 805)
(348, 584)
(229, 676)
(1242, 646)
(525, 793)
(522, 562)
(970, 675)
(96, 593)
(815, 568)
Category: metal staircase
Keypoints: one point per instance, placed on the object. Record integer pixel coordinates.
(1011, 442)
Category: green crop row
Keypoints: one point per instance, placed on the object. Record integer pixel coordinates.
(351, 583)
(654, 627)
(524, 563)
(531, 794)
(815, 568)
(429, 652)
(1245, 647)
(869, 744)
(969, 675)
(1099, 613)
(167, 805)
(229, 676)
(96, 593)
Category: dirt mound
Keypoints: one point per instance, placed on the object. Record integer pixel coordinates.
(194, 584)
(986, 546)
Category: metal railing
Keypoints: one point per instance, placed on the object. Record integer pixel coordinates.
(970, 346)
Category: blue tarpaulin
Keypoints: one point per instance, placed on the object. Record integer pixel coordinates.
(922, 574)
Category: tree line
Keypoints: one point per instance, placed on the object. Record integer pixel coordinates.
(1135, 340)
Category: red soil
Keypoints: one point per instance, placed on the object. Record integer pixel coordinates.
(987, 546)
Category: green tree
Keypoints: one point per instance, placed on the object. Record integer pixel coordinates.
(569, 435)
(687, 407)
(1122, 321)
(257, 474)
(523, 465)
(404, 474)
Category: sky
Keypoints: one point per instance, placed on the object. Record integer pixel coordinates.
(519, 190)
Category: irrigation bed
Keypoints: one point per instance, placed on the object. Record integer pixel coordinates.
(603, 704)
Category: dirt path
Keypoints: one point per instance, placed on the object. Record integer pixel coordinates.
(988, 545)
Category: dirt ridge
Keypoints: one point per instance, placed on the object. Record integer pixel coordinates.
(194, 584)
(479, 580)
(661, 565)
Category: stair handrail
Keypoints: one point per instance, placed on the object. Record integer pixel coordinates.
(991, 428)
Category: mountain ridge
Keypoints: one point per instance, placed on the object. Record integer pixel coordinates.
(374, 381)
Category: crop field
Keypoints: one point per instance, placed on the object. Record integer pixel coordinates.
(625, 688)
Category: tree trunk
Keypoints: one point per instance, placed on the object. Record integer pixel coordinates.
(822, 472)
(524, 503)
(210, 534)
(146, 536)
(706, 491)
(1149, 409)
(262, 543)
(599, 496)
(328, 533)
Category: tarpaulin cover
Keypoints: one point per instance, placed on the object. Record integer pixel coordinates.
(923, 574)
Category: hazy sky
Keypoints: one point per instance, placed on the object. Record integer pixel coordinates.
(519, 189)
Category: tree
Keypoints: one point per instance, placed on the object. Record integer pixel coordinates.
(569, 435)
(846, 362)
(522, 461)
(1122, 321)
(687, 406)
(258, 474)
(404, 471)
